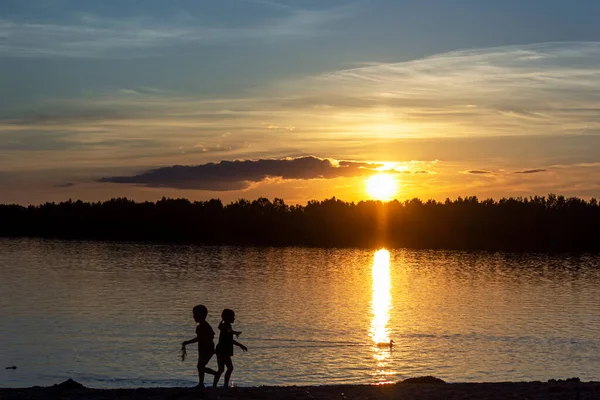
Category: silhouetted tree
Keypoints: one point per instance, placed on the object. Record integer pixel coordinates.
(552, 223)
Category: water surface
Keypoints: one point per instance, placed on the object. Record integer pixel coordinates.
(114, 315)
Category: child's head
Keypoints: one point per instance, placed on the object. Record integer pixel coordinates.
(228, 315)
(200, 312)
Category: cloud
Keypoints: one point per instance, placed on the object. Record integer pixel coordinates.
(355, 164)
(279, 128)
(90, 36)
(478, 172)
(530, 171)
(57, 140)
(59, 115)
(268, 3)
(238, 175)
(35, 141)
(511, 108)
(218, 148)
(544, 90)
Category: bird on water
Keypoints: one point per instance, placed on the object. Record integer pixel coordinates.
(389, 344)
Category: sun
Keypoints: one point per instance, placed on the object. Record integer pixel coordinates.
(382, 187)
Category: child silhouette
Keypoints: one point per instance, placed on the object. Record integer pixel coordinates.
(206, 347)
(225, 346)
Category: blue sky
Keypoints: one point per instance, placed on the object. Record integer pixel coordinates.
(97, 89)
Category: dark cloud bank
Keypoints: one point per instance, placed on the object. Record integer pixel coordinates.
(530, 171)
(237, 175)
(527, 171)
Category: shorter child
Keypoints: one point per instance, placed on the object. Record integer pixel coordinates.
(225, 346)
(206, 346)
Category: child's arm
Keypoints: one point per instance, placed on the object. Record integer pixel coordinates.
(230, 330)
(241, 346)
(194, 340)
(183, 352)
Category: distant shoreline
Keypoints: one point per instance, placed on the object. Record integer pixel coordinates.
(423, 391)
(553, 224)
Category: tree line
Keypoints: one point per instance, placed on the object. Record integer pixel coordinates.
(541, 223)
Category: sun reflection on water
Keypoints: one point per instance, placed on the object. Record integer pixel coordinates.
(381, 306)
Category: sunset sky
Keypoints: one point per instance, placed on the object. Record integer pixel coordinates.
(298, 99)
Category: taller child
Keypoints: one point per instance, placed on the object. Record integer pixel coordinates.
(206, 346)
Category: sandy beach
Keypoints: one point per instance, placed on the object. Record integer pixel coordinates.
(403, 390)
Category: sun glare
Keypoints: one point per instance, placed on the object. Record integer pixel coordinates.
(382, 187)
(382, 299)
(381, 306)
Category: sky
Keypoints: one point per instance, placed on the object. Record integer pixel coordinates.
(298, 99)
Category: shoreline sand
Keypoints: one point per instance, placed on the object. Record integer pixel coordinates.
(571, 389)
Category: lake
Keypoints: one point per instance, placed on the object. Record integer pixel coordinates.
(114, 315)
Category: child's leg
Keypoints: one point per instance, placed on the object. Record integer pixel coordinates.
(200, 374)
(210, 371)
(203, 359)
(219, 371)
(229, 365)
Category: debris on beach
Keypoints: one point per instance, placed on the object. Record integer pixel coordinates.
(423, 379)
(69, 385)
(71, 390)
(574, 379)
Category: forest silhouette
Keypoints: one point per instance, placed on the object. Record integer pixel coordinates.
(542, 223)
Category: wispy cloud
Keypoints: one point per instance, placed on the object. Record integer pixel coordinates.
(546, 89)
(65, 185)
(534, 89)
(521, 119)
(268, 3)
(26, 141)
(530, 171)
(91, 36)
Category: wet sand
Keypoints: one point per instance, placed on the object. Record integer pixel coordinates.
(404, 391)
